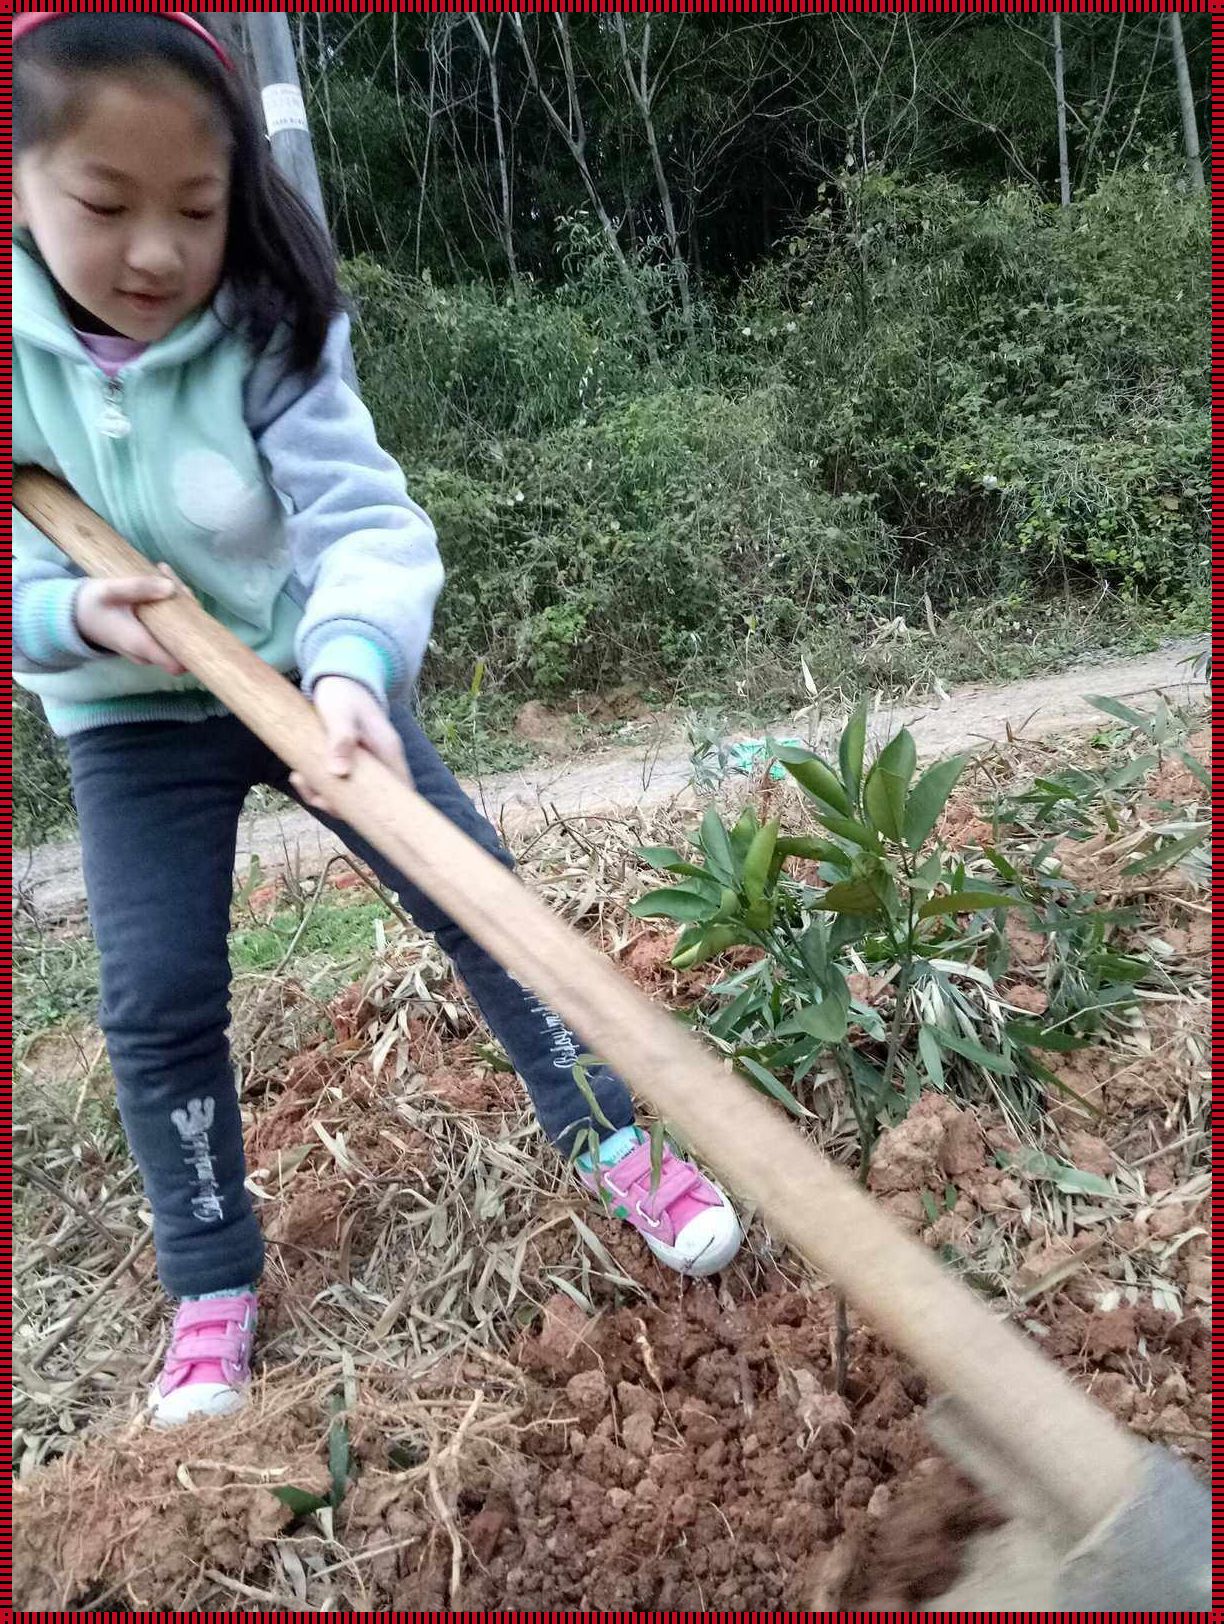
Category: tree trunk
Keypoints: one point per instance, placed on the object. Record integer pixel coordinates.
(503, 168)
(1060, 99)
(573, 133)
(640, 91)
(431, 116)
(1185, 94)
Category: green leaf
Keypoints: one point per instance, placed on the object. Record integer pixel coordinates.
(852, 830)
(1139, 768)
(717, 847)
(1165, 856)
(850, 897)
(769, 1084)
(670, 861)
(1007, 870)
(928, 798)
(1195, 766)
(816, 851)
(932, 1059)
(1075, 1181)
(826, 1020)
(850, 752)
(848, 928)
(1071, 1180)
(715, 939)
(301, 1502)
(814, 949)
(1051, 1037)
(929, 1206)
(957, 902)
(672, 903)
(1123, 713)
(664, 857)
(815, 776)
(729, 906)
(583, 1084)
(757, 862)
(928, 875)
(338, 1456)
(1001, 1065)
(884, 793)
(745, 828)
(729, 1019)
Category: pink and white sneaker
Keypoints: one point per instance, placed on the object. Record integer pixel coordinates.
(208, 1365)
(686, 1220)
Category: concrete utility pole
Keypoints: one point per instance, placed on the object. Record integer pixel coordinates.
(275, 62)
(263, 38)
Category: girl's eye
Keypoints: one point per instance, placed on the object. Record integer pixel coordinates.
(199, 214)
(107, 211)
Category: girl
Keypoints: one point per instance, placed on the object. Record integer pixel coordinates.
(177, 345)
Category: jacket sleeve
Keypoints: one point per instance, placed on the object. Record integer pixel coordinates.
(45, 587)
(366, 553)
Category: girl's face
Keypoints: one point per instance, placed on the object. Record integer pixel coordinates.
(129, 207)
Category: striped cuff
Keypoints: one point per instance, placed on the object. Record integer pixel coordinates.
(44, 625)
(358, 658)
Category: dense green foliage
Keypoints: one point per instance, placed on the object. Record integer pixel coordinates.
(960, 401)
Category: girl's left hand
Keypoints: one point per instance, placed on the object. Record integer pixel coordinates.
(353, 720)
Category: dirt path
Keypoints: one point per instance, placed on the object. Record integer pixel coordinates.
(658, 770)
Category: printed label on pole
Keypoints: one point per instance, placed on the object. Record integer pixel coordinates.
(284, 109)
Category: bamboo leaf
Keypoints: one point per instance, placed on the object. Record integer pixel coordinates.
(1121, 712)
(1002, 1065)
(301, 1502)
(958, 902)
(769, 1084)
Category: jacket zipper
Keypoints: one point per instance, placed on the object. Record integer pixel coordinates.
(113, 421)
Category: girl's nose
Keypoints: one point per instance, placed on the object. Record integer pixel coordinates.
(153, 252)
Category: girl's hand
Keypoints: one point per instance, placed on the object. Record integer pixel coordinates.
(105, 613)
(353, 720)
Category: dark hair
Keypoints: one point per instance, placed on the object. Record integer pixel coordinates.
(278, 260)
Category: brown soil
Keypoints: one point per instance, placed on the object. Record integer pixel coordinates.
(689, 1453)
(708, 1461)
(685, 1451)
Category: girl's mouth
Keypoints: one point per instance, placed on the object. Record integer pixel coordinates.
(147, 302)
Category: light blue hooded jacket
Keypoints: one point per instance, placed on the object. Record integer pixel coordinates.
(265, 491)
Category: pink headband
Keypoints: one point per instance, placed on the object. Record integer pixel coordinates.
(26, 22)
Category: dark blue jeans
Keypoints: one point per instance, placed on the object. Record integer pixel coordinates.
(159, 804)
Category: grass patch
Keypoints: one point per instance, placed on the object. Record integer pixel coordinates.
(55, 979)
(333, 928)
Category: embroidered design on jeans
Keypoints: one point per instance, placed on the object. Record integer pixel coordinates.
(564, 1045)
(193, 1125)
(565, 1048)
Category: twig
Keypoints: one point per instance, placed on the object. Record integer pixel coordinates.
(35, 1176)
(84, 1308)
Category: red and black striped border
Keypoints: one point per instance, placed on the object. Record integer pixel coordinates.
(1213, 8)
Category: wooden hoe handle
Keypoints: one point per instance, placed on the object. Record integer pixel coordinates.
(1020, 1404)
